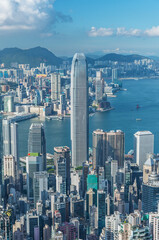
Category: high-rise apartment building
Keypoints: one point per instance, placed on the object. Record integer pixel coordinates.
(10, 141)
(79, 110)
(9, 167)
(114, 75)
(6, 137)
(62, 103)
(156, 228)
(37, 141)
(143, 145)
(8, 104)
(99, 86)
(14, 142)
(111, 225)
(55, 86)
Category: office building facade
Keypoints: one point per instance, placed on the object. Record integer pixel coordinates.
(99, 148)
(34, 163)
(79, 110)
(40, 186)
(37, 141)
(143, 145)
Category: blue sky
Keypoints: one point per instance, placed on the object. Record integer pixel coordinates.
(69, 26)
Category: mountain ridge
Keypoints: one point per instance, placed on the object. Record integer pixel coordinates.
(32, 56)
(35, 56)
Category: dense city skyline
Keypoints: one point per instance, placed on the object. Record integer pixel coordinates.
(79, 137)
(81, 191)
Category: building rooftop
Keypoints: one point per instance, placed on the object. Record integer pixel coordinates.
(99, 131)
(149, 162)
(140, 133)
(61, 149)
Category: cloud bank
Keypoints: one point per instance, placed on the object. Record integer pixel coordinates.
(122, 31)
(29, 14)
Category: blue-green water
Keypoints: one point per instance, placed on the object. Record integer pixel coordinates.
(142, 92)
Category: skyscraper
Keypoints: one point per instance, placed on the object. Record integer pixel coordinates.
(64, 152)
(34, 164)
(115, 146)
(40, 186)
(9, 167)
(10, 141)
(6, 137)
(101, 196)
(150, 192)
(1, 103)
(92, 182)
(99, 86)
(8, 104)
(79, 110)
(61, 175)
(99, 148)
(14, 142)
(114, 75)
(55, 86)
(37, 142)
(143, 145)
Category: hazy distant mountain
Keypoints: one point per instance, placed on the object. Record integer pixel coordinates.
(37, 55)
(115, 57)
(120, 58)
(32, 56)
(95, 55)
(156, 58)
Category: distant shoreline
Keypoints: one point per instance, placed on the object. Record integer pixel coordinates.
(139, 78)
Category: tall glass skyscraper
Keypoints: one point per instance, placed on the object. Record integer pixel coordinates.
(79, 110)
(37, 142)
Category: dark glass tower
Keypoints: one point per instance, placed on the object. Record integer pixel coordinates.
(37, 141)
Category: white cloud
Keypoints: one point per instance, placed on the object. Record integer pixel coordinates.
(122, 31)
(152, 32)
(28, 14)
(131, 32)
(116, 50)
(94, 32)
(120, 51)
